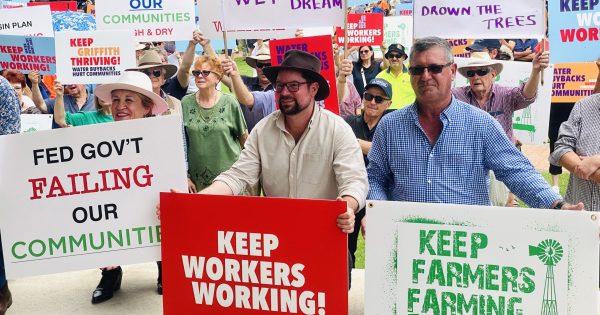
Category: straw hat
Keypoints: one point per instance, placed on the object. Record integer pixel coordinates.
(304, 62)
(133, 81)
(479, 60)
(262, 54)
(151, 59)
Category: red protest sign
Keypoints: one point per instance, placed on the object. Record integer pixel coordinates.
(321, 47)
(363, 30)
(251, 255)
(57, 6)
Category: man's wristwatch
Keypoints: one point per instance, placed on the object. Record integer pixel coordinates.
(559, 205)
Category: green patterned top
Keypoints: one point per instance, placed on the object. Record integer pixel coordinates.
(213, 137)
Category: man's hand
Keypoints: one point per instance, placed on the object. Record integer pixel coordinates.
(345, 221)
(541, 60)
(173, 190)
(568, 206)
(34, 77)
(588, 166)
(59, 89)
(229, 67)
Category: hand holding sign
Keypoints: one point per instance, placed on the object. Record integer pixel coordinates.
(229, 67)
(345, 221)
(541, 60)
(34, 77)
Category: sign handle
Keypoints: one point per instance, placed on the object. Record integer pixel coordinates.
(542, 48)
(345, 29)
(225, 44)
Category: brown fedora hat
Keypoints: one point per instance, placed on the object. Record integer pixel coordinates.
(303, 62)
(151, 59)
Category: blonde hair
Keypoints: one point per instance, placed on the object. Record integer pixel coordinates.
(213, 63)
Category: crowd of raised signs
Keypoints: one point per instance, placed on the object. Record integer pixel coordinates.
(217, 122)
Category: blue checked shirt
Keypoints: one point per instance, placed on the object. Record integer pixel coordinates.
(404, 166)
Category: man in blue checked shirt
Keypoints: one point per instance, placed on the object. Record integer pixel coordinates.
(439, 149)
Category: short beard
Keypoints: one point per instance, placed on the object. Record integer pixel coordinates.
(290, 111)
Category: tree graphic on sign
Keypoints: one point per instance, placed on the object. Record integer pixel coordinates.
(549, 252)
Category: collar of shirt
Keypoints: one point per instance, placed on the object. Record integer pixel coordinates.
(446, 116)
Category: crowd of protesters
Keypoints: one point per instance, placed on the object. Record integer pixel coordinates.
(403, 132)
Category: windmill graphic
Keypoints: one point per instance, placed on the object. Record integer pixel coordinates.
(549, 252)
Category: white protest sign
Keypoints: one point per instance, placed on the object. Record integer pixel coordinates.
(36, 122)
(398, 30)
(458, 259)
(209, 14)
(148, 20)
(530, 125)
(259, 14)
(84, 197)
(27, 21)
(93, 57)
(479, 19)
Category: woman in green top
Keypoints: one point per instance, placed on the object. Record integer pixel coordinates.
(63, 119)
(214, 124)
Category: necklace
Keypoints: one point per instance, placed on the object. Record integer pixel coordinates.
(207, 109)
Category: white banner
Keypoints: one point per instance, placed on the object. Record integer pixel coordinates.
(93, 57)
(252, 14)
(530, 125)
(458, 259)
(209, 13)
(36, 122)
(160, 20)
(84, 197)
(27, 21)
(479, 19)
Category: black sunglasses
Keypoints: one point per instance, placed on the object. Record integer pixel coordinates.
(378, 99)
(418, 70)
(480, 72)
(153, 73)
(365, 51)
(157, 43)
(397, 56)
(261, 65)
(204, 73)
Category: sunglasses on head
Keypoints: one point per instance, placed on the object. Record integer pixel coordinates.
(261, 65)
(204, 73)
(480, 72)
(153, 73)
(435, 69)
(378, 99)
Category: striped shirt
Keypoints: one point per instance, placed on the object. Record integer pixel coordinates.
(404, 166)
(503, 102)
(581, 134)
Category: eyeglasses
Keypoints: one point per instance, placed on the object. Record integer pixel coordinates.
(293, 86)
(397, 56)
(157, 43)
(435, 69)
(480, 72)
(365, 51)
(157, 73)
(378, 99)
(204, 73)
(261, 65)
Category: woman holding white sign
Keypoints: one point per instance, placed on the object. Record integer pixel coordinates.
(131, 97)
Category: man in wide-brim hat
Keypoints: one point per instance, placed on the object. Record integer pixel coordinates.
(499, 101)
(300, 150)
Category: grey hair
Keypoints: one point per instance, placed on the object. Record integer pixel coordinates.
(427, 43)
